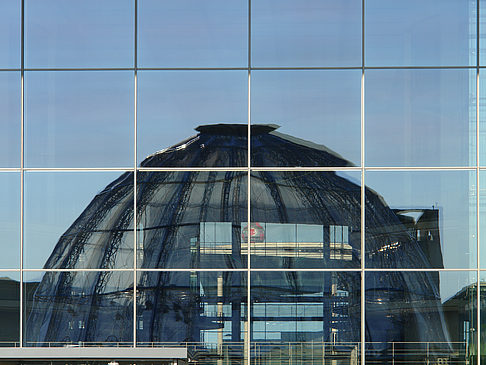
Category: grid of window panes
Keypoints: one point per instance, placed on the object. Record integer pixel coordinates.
(335, 214)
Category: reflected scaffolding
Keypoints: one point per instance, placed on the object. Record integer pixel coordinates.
(197, 220)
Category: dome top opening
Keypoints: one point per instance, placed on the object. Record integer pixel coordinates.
(236, 129)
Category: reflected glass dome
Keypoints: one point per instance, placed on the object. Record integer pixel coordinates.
(193, 220)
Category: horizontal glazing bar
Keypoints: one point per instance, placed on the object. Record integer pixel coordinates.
(297, 168)
(61, 169)
(170, 169)
(304, 68)
(77, 270)
(419, 270)
(417, 67)
(251, 269)
(242, 68)
(82, 69)
(421, 168)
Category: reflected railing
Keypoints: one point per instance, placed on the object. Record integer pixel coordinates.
(430, 353)
(313, 353)
(292, 353)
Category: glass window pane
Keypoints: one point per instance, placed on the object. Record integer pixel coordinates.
(10, 308)
(420, 117)
(482, 117)
(172, 104)
(88, 33)
(420, 317)
(318, 110)
(72, 221)
(420, 33)
(73, 307)
(305, 317)
(10, 18)
(482, 302)
(482, 218)
(306, 33)
(10, 121)
(205, 311)
(421, 219)
(298, 219)
(10, 220)
(79, 119)
(482, 32)
(191, 219)
(193, 33)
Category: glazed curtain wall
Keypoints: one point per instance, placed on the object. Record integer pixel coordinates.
(337, 213)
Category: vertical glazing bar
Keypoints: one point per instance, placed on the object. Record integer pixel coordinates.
(478, 278)
(363, 246)
(21, 298)
(135, 321)
(248, 254)
(363, 198)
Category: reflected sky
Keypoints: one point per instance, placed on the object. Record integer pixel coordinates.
(451, 192)
(420, 33)
(193, 33)
(214, 33)
(85, 119)
(10, 220)
(53, 201)
(172, 104)
(420, 118)
(318, 106)
(482, 111)
(10, 33)
(451, 283)
(89, 33)
(482, 217)
(79, 119)
(482, 33)
(290, 33)
(10, 122)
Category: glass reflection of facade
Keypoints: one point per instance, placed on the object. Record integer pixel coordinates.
(258, 182)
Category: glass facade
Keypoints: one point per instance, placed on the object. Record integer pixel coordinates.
(255, 181)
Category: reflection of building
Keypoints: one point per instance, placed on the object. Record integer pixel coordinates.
(198, 219)
(423, 225)
(9, 309)
(460, 312)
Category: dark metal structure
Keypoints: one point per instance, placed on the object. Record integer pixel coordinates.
(198, 219)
